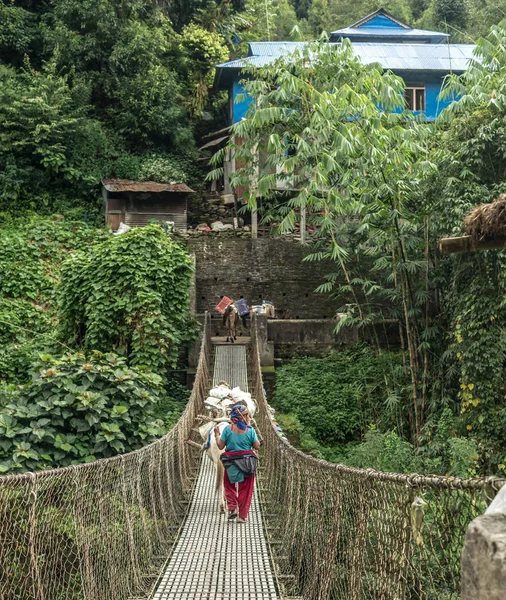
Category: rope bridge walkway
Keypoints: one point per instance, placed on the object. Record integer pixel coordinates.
(127, 527)
(215, 559)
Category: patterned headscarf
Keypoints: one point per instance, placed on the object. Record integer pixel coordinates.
(238, 416)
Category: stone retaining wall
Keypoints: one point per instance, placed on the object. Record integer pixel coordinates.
(263, 269)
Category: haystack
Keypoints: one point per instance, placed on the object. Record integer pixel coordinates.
(487, 221)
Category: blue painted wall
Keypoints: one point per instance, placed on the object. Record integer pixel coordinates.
(433, 85)
(433, 106)
(380, 22)
(239, 109)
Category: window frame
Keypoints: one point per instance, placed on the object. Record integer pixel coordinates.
(414, 88)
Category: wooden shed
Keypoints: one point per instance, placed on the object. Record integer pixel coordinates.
(135, 203)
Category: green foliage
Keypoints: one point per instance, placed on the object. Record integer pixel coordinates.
(31, 252)
(329, 15)
(451, 11)
(21, 322)
(201, 50)
(357, 158)
(88, 84)
(335, 398)
(380, 201)
(129, 294)
(384, 452)
(46, 137)
(85, 83)
(472, 162)
(154, 166)
(443, 451)
(77, 409)
(17, 31)
(133, 297)
(172, 403)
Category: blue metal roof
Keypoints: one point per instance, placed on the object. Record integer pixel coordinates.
(359, 33)
(249, 61)
(274, 48)
(417, 57)
(443, 58)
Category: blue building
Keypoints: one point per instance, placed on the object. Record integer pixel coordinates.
(422, 58)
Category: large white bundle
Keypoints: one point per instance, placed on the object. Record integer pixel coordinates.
(244, 398)
(220, 392)
(264, 309)
(212, 402)
(238, 394)
(251, 406)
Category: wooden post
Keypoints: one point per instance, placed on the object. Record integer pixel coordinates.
(105, 197)
(467, 243)
(303, 225)
(254, 223)
(253, 185)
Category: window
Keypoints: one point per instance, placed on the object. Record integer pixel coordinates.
(414, 95)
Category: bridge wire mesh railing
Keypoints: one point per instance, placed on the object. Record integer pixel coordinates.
(102, 530)
(342, 533)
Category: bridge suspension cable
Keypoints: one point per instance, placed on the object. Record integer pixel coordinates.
(101, 530)
(104, 530)
(343, 532)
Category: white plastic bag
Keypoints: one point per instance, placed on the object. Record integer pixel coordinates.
(498, 504)
(121, 229)
(220, 392)
(217, 226)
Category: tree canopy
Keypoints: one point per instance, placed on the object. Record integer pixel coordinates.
(381, 187)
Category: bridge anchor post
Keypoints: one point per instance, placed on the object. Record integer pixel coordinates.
(484, 558)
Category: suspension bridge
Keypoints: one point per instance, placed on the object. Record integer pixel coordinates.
(146, 525)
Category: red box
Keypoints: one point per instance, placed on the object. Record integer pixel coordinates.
(223, 304)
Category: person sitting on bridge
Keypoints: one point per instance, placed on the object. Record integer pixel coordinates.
(239, 460)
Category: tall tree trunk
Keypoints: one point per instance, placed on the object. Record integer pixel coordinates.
(413, 361)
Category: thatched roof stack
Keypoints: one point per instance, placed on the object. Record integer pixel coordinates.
(487, 221)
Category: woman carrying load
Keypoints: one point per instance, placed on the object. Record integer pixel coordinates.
(239, 459)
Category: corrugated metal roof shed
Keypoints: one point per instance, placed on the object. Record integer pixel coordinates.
(397, 57)
(127, 185)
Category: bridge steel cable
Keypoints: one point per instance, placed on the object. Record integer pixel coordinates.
(342, 533)
(101, 530)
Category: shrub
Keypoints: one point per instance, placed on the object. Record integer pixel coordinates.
(384, 452)
(334, 398)
(77, 409)
(172, 403)
(129, 294)
(31, 252)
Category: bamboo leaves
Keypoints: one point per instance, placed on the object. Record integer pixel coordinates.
(336, 130)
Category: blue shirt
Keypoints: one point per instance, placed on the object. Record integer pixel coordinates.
(235, 442)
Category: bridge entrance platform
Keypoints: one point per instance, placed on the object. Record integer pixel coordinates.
(221, 340)
(215, 559)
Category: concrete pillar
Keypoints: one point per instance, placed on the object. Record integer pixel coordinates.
(105, 199)
(266, 348)
(484, 559)
(193, 286)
